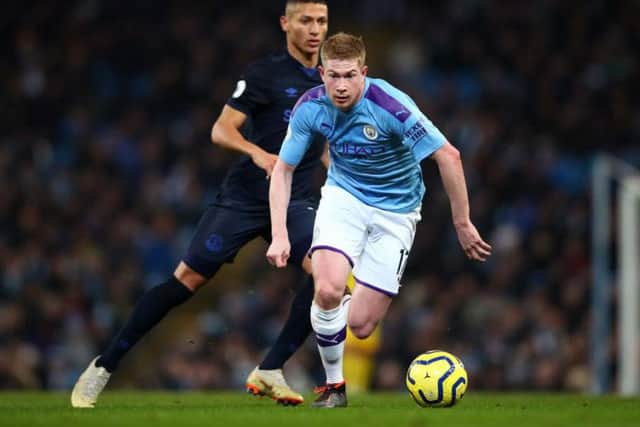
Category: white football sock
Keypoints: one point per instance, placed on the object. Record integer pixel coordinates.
(330, 327)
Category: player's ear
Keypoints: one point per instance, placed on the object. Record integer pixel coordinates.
(364, 70)
(323, 74)
(284, 23)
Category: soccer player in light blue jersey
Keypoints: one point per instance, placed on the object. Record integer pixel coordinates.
(370, 202)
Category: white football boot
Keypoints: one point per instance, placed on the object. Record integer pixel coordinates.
(271, 383)
(89, 386)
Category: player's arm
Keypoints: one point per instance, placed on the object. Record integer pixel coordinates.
(226, 134)
(279, 195)
(296, 143)
(426, 140)
(452, 174)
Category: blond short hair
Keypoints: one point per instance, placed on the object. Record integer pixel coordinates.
(343, 46)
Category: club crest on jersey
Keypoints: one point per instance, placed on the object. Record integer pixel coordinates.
(370, 132)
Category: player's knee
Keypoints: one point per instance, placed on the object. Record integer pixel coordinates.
(361, 328)
(360, 324)
(188, 277)
(327, 296)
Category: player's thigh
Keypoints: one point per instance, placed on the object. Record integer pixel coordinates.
(386, 252)
(332, 267)
(368, 307)
(331, 271)
(218, 237)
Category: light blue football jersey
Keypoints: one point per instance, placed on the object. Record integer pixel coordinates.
(375, 148)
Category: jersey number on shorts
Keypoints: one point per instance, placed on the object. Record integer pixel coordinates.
(402, 263)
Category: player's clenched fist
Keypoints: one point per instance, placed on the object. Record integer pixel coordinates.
(278, 252)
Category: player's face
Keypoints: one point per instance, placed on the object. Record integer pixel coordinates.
(306, 26)
(344, 81)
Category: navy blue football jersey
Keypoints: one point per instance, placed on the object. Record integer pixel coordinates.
(267, 92)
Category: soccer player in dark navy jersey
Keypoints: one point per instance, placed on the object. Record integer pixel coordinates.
(268, 101)
(264, 96)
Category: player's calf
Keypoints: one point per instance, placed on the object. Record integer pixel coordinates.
(367, 308)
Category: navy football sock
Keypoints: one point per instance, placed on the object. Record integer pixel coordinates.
(295, 331)
(150, 309)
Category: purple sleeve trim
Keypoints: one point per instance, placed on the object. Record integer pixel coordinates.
(385, 101)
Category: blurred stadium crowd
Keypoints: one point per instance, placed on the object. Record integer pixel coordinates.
(106, 164)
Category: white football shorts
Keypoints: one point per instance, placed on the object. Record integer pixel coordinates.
(376, 242)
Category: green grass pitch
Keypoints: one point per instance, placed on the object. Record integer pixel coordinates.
(156, 409)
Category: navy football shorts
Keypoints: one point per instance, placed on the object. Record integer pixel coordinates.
(223, 231)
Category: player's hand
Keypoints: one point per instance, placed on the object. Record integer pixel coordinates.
(279, 251)
(474, 247)
(265, 161)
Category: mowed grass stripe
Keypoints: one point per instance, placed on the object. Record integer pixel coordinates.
(156, 409)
